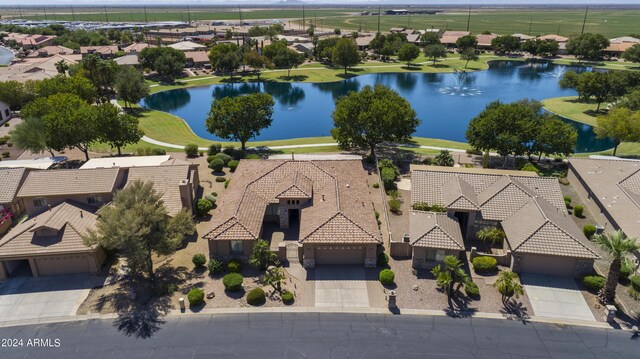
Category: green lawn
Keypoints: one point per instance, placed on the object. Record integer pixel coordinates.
(569, 107)
(565, 22)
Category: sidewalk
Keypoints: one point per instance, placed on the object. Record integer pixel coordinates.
(380, 311)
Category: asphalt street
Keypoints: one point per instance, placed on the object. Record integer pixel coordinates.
(313, 335)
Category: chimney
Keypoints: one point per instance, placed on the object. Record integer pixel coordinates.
(49, 207)
(81, 214)
(292, 156)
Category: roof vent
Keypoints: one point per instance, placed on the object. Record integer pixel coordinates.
(347, 185)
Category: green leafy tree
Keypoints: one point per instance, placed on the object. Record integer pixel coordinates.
(450, 276)
(508, 285)
(444, 158)
(30, 135)
(262, 256)
(371, 116)
(621, 125)
(256, 61)
(225, 57)
(274, 276)
(505, 44)
(288, 59)
(240, 118)
(618, 246)
(587, 46)
(408, 52)
(15, 94)
(468, 54)
(435, 51)
(116, 128)
(131, 86)
(76, 85)
(101, 73)
(166, 61)
(466, 42)
(630, 101)
(632, 54)
(554, 137)
(136, 224)
(345, 53)
(429, 38)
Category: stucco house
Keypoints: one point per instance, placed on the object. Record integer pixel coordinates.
(51, 243)
(10, 181)
(610, 189)
(541, 237)
(177, 184)
(324, 203)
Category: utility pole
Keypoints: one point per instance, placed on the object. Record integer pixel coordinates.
(530, 21)
(584, 22)
(106, 16)
(73, 14)
(304, 22)
(469, 18)
(409, 21)
(379, 14)
(20, 10)
(145, 14)
(240, 14)
(45, 13)
(189, 14)
(558, 30)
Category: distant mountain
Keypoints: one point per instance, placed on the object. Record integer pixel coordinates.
(289, 2)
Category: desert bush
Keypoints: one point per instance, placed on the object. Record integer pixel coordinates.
(376, 185)
(388, 178)
(224, 157)
(383, 260)
(394, 205)
(215, 266)
(203, 207)
(484, 264)
(199, 260)
(195, 297)
(635, 282)
(234, 266)
(589, 230)
(211, 198)
(221, 179)
(256, 297)
(578, 210)
(529, 167)
(228, 150)
(287, 297)
(233, 165)
(233, 282)
(191, 150)
(593, 283)
(472, 290)
(214, 149)
(626, 269)
(387, 276)
(226, 183)
(216, 164)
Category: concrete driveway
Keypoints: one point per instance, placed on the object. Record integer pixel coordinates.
(24, 298)
(338, 286)
(556, 297)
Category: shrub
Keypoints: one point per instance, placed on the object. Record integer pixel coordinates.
(211, 198)
(6, 154)
(394, 205)
(635, 282)
(256, 297)
(252, 156)
(444, 158)
(195, 297)
(529, 167)
(578, 210)
(376, 185)
(220, 180)
(287, 297)
(224, 157)
(567, 199)
(191, 150)
(226, 183)
(203, 207)
(199, 260)
(472, 290)
(214, 149)
(626, 269)
(589, 230)
(215, 266)
(387, 276)
(216, 164)
(388, 178)
(211, 158)
(233, 282)
(438, 208)
(233, 165)
(593, 283)
(234, 266)
(484, 264)
(383, 260)
(148, 151)
(228, 150)
(238, 154)
(387, 163)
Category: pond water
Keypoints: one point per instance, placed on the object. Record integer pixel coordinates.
(5, 56)
(444, 102)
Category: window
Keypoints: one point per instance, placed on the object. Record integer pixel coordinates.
(435, 255)
(237, 247)
(94, 199)
(40, 202)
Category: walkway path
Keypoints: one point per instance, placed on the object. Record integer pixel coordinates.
(181, 147)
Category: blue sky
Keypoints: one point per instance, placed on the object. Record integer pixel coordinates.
(227, 2)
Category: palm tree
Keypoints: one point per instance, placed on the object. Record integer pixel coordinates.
(62, 67)
(618, 246)
(450, 276)
(508, 284)
(493, 235)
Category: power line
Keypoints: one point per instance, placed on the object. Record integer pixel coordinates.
(73, 14)
(584, 22)
(106, 16)
(469, 18)
(379, 18)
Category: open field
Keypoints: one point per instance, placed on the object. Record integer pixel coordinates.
(194, 13)
(558, 21)
(569, 107)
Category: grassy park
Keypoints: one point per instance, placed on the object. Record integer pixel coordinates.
(569, 107)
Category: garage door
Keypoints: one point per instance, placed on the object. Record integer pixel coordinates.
(63, 265)
(551, 265)
(340, 255)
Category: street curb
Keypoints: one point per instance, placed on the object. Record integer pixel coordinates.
(285, 310)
